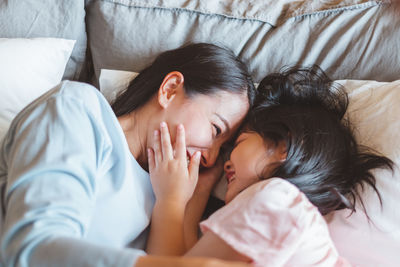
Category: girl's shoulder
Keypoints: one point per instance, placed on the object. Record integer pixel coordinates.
(277, 198)
(273, 223)
(275, 191)
(275, 184)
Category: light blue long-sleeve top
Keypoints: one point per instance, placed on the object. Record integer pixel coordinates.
(72, 193)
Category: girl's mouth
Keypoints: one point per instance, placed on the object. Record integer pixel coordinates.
(230, 176)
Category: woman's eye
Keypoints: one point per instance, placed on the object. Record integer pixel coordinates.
(217, 130)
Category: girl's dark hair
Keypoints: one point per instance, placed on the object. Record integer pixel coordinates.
(303, 107)
(206, 68)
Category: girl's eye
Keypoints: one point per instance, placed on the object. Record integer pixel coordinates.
(217, 130)
(236, 143)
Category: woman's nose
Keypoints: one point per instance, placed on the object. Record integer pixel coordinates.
(228, 166)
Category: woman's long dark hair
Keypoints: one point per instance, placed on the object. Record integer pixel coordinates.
(206, 68)
(303, 107)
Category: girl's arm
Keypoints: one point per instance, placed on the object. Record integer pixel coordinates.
(197, 204)
(166, 230)
(173, 183)
(156, 261)
(210, 245)
(194, 210)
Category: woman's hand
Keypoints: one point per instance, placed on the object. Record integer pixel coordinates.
(171, 177)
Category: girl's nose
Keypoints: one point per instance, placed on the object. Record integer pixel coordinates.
(228, 166)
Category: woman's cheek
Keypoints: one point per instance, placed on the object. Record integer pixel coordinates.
(198, 137)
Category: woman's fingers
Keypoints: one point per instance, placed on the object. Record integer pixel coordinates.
(180, 143)
(166, 147)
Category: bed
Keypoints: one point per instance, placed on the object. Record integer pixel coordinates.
(354, 41)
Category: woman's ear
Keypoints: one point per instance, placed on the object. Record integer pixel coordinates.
(169, 88)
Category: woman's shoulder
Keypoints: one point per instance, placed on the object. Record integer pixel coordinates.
(69, 105)
(71, 98)
(79, 91)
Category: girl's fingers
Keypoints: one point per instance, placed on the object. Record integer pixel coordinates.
(150, 156)
(157, 148)
(194, 166)
(166, 147)
(180, 143)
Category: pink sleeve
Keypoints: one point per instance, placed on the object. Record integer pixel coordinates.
(274, 224)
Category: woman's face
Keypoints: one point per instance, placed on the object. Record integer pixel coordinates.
(209, 121)
(251, 157)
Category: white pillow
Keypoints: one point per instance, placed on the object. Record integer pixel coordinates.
(112, 82)
(28, 68)
(374, 110)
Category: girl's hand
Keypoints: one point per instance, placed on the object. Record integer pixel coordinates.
(171, 177)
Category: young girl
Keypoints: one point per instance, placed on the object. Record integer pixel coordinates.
(296, 132)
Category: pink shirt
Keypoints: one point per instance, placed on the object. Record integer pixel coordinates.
(274, 224)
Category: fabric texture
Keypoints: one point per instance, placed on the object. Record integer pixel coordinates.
(28, 68)
(350, 39)
(74, 187)
(274, 224)
(47, 18)
(258, 10)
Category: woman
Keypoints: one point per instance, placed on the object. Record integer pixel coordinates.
(76, 191)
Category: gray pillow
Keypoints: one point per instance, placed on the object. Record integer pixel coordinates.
(48, 18)
(349, 38)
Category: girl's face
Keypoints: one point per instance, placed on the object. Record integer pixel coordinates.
(251, 157)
